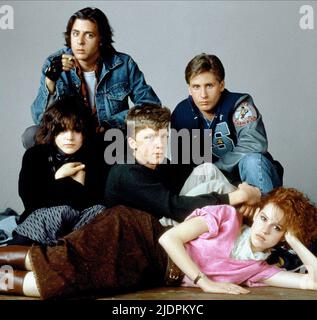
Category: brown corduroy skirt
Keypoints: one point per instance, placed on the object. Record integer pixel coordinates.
(118, 251)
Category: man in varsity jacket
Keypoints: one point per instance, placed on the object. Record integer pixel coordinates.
(233, 126)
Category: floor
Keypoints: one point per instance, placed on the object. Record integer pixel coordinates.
(264, 293)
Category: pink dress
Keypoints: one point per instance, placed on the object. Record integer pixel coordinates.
(211, 251)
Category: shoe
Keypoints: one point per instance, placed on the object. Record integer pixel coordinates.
(14, 256)
(11, 281)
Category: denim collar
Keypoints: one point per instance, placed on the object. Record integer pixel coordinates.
(108, 63)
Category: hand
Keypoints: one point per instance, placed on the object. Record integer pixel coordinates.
(308, 258)
(54, 71)
(252, 195)
(292, 240)
(69, 169)
(79, 176)
(245, 194)
(247, 211)
(289, 237)
(68, 62)
(221, 287)
(61, 63)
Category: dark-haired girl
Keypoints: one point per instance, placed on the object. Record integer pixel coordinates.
(62, 176)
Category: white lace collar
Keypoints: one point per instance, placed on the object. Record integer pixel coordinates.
(242, 248)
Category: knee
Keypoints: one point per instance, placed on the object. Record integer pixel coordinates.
(250, 160)
(28, 136)
(205, 168)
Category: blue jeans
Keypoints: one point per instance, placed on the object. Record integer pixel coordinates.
(260, 172)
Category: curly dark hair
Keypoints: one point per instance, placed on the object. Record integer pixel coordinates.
(300, 214)
(68, 113)
(96, 16)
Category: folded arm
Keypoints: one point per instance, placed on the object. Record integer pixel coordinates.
(173, 241)
(288, 279)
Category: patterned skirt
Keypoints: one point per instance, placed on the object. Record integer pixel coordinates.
(116, 252)
(47, 225)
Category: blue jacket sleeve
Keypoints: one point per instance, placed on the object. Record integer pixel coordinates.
(141, 92)
(43, 98)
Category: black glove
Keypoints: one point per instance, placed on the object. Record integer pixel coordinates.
(54, 71)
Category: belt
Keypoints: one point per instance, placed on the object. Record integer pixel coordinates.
(173, 275)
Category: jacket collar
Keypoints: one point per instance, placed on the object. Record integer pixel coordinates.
(193, 107)
(108, 64)
(196, 111)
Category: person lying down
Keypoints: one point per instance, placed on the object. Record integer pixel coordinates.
(124, 249)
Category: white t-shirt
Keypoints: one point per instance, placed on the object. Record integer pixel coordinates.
(90, 79)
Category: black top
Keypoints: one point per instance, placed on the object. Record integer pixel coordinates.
(154, 191)
(38, 187)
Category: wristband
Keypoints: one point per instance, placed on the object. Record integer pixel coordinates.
(54, 71)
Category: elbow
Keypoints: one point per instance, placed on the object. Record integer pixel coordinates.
(165, 239)
(162, 240)
(263, 146)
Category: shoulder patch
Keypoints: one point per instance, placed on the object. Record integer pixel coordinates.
(244, 114)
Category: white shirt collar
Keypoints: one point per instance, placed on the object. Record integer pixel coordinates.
(242, 248)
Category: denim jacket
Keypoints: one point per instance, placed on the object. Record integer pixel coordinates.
(120, 78)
